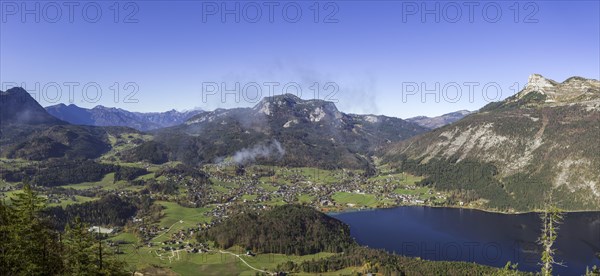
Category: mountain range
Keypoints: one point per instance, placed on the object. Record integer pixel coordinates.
(509, 155)
(110, 116)
(287, 130)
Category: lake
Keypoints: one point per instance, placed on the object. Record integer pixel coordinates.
(476, 236)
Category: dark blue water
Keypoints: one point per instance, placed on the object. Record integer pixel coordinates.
(476, 236)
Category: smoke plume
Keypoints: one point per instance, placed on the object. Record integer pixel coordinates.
(249, 155)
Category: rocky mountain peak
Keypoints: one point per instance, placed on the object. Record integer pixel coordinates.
(538, 83)
(289, 102)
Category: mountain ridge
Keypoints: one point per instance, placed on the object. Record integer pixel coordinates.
(112, 116)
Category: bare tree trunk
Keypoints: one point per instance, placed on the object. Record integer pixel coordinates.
(551, 217)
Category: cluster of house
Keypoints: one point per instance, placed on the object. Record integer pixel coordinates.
(190, 247)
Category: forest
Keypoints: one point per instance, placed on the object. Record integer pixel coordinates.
(288, 229)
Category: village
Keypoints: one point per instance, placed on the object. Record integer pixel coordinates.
(232, 193)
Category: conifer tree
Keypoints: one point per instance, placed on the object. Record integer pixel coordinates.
(78, 249)
(84, 253)
(31, 248)
(551, 217)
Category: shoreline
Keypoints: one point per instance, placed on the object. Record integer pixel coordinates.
(352, 210)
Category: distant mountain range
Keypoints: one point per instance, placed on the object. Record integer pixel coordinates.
(439, 121)
(110, 116)
(513, 153)
(286, 129)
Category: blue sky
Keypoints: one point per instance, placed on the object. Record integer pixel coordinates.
(373, 53)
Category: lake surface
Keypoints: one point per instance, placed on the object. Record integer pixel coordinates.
(475, 236)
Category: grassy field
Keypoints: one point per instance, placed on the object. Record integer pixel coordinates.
(359, 200)
(147, 176)
(268, 187)
(275, 201)
(107, 183)
(249, 197)
(223, 186)
(305, 198)
(174, 212)
(69, 201)
(417, 191)
(126, 237)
